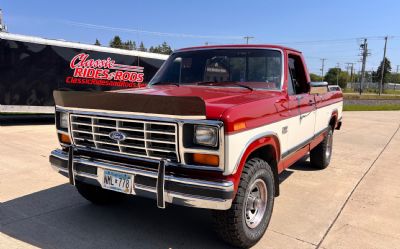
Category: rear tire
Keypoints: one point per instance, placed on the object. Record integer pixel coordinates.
(320, 156)
(244, 224)
(98, 195)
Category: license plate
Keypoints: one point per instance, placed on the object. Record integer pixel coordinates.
(118, 181)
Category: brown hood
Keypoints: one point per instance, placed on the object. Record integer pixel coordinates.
(217, 100)
(130, 102)
(208, 102)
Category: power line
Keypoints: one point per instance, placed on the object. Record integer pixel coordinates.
(317, 42)
(164, 34)
(336, 40)
(183, 35)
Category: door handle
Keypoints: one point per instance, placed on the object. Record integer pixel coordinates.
(311, 102)
(304, 115)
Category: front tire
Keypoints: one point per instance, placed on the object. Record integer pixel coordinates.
(244, 224)
(320, 156)
(98, 195)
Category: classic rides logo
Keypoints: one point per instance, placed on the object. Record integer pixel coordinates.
(103, 72)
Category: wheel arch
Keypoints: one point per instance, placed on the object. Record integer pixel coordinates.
(334, 119)
(266, 147)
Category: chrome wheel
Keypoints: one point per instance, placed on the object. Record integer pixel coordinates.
(245, 223)
(256, 203)
(329, 143)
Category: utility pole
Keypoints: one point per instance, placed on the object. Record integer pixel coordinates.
(371, 77)
(347, 68)
(350, 65)
(337, 73)
(383, 66)
(364, 54)
(247, 38)
(3, 27)
(397, 75)
(322, 68)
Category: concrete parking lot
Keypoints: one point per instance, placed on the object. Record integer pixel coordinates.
(354, 203)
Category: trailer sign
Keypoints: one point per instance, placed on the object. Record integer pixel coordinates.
(103, 69)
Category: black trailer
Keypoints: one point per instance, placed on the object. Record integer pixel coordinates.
(31, 68)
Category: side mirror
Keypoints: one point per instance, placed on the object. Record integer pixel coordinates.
(318, 87)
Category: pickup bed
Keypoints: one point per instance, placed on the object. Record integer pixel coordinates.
(213, 129)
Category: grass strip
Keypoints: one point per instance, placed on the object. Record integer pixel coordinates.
(385, 107)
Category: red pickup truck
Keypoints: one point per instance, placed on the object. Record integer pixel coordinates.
(214, 129)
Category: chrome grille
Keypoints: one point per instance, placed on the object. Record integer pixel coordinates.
(143, 138)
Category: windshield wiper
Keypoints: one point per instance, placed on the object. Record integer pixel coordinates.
(236, 83)
(244, 86)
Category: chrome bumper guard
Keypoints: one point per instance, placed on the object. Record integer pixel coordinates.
(157, 185)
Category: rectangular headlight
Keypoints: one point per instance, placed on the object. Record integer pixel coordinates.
(206, 135)
(63, 120)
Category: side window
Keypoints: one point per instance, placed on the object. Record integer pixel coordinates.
(298, 77)
(290, 84)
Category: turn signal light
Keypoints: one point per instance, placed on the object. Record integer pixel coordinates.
(65, 138)
(239, 126)
(206, 159)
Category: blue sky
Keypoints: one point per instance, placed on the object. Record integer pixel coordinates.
(298, 24)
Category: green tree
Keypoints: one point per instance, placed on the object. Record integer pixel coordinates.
(337, 76)
(315, 78)
(116, 42)
(129, 45)
(164, 48)
(97, 42)
(156, 49)
(395, 78)
(142, 47)
(386, 74)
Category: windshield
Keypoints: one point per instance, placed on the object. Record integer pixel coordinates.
(254, 68)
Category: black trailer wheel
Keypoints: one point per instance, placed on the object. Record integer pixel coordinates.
(246, 221)
(98, 195)
(320, 156)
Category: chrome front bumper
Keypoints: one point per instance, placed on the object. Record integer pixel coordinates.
(153, 184)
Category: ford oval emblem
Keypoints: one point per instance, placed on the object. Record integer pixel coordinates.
(117, 136)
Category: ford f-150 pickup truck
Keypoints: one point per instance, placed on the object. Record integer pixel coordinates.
(213, 129)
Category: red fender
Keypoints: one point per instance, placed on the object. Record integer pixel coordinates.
(258, 143)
